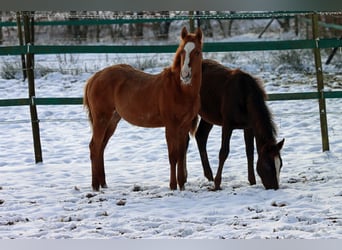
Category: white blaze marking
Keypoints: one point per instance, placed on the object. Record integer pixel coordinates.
(277, 164)
(186, 70)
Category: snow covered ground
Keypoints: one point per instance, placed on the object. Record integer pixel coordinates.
(55, 200)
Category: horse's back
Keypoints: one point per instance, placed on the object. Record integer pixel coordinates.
(116, 75)
(125, 90)
(225, 93)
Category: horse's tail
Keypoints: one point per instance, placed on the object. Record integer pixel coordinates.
(86, 101)
(194, 125)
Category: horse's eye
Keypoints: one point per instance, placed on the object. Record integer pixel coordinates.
(197, 52)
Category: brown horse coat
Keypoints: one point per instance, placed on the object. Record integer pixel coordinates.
(146, 100)
(234, 99)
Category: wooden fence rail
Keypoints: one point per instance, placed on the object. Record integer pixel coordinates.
(79, 100)
(207, 47)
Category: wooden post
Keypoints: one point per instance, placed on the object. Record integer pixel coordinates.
(31, 88)
(31, 27)
(1, 36)
(191, 21)
(320, 85)
(21, 42)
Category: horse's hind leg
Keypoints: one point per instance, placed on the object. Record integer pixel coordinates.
(249, 142)
(111, 128)
(103, 128)
(185, 167)
(202, 134)
(170, 140)
(224, 151)
(181, 160)
(96, 156)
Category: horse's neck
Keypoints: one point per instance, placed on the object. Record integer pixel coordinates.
(262, 141)
(261, 118)
(264, 133)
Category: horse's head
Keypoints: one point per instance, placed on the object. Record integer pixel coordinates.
(269, 165)
(189, 55)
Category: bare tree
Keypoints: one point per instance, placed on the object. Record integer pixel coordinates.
(0, 27)
(78, 32)
(161, 29)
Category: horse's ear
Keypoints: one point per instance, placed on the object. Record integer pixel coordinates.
(184, 32)
(280, 144)
(199, 34)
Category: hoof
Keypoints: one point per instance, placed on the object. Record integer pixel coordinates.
(173, 186)
(252, 181)
(96, 187)
(209, 176)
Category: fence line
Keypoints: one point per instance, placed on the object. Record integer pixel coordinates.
(316, 44)
(207, 47)
(79, 100)
(149, 18)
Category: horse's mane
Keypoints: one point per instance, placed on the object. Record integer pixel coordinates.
(250, 93)
(258, 109)
(176, 61)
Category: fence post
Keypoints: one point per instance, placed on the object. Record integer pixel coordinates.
(20, 37)
(191, 21)
(31, 87)
(320, 85)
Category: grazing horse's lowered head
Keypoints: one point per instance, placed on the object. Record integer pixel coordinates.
(269, 165)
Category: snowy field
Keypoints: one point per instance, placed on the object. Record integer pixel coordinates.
(54, 200)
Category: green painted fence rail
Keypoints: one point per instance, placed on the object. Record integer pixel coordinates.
(207, 47)
(79, 100)
(324, 24)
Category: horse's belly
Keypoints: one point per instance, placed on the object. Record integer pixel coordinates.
(138, 106)
(143, 119)
(213, 117)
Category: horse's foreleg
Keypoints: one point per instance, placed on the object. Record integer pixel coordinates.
(181, 160)
(224, 151)
(177, 142)
(173, 179)
(171, 146)
(249, 142)
(201, 136)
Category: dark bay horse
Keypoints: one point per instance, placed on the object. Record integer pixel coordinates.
(169, 99)
(234, 99)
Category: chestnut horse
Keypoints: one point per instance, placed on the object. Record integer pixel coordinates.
(234, 99)
(169, 99)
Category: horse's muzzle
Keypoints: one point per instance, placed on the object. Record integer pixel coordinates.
(185, 77)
